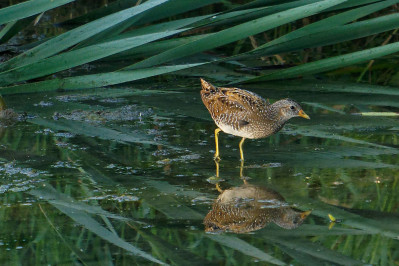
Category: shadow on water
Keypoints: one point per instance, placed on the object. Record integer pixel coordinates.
(91, 186)
(249, 208)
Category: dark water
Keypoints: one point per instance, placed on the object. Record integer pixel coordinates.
(125, 176)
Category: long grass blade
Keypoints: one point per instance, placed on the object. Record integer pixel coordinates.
(168, 9)
(93, 81)
(49, 194)
(110, 8)
(236, 33)
(315, 250)
(92, 225)
(94, 131)
(371, 226)
(13, 28)
(329, 63)
(325, 26)
(352, 3)
(245, 248)
(152, 48)
(78, 57)
(72, 37)
(234, 17)
(324, 134)
(27, 9)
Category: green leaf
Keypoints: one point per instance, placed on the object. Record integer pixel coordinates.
(306, 131)
(13, 28)
(329, 63)
(237, 32)
(371, 226)
(175, 7)
(241, 16)
(153, 48)
(341, 34)
(78, 57)
(91, 130)
(244, 247)
(325, 26)
(93, 81)
(72, 37)
(336, 88)
(28, 8)
(161, 27)
(81, 217)
(377, 114)
(101, 12)
(314, 249)
(352, 3)
(261, 3)
(170, 8)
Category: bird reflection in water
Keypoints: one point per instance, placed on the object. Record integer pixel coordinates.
(7, 116)
(249, 208)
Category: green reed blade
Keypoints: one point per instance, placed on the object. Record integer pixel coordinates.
(81, 217)
(28, 8)
(93, 81)
(235, 33)
(78, 57)
(329, 63)
(72, 37)
(245, 248)
(329, 26)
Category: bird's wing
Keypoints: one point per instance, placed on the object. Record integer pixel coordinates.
(228, 111)
(234, 106)
(249, 100)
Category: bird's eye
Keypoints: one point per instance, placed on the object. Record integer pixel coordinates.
(292, 107)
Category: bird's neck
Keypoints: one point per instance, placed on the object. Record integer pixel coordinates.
(275, 114)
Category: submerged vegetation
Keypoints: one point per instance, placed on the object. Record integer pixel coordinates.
(119, 175)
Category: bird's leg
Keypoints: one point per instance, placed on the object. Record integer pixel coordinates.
(217, 169)
(218, 188)
(244, 179)
(216, 157)
(241, 151)
(242, 173)
(217, 177)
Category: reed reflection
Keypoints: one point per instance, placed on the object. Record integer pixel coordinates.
(249, 208)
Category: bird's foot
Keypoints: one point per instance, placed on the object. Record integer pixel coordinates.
(245, 179)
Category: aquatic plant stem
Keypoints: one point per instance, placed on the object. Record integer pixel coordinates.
(59, 234)
(370, 64)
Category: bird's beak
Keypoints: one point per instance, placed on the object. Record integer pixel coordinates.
(301, 113)
(305, 214)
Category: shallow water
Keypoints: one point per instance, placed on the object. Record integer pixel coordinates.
(125, 175)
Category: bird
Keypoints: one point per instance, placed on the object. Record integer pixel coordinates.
(249, 208)
(245, 114)
(7, 116)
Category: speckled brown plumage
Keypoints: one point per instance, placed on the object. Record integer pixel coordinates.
(248, 208)
(245, 114)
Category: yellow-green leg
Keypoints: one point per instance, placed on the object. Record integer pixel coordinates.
(218, 188)
(217, 169)
(243, 178)
(216, 157)
(217, 176)
(241, 151)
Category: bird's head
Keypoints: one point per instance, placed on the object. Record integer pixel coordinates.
(290, 219)
(289, 108)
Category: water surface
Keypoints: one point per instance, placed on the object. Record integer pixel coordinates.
(125, 175)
